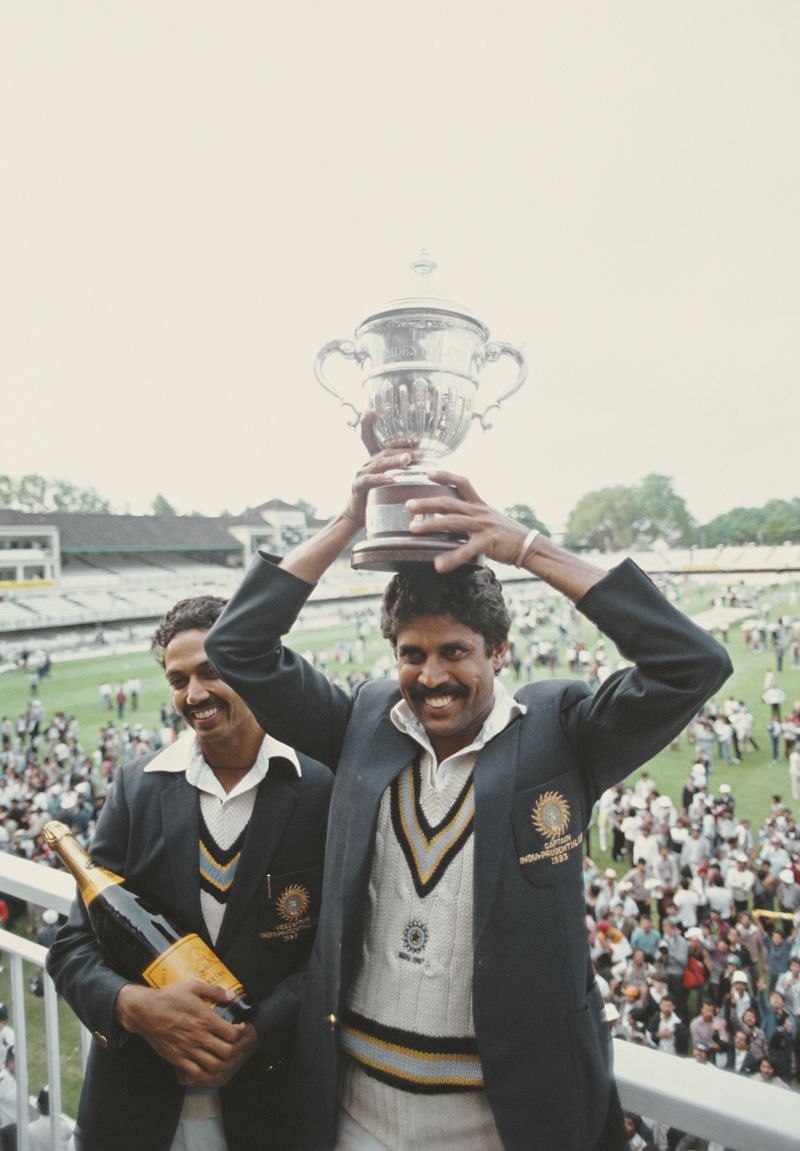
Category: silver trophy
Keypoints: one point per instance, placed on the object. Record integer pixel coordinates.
(420, 359)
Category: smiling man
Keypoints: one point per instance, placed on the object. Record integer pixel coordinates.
(450, 999)
(223, 831)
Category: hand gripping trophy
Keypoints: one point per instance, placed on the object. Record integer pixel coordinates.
(420, 359)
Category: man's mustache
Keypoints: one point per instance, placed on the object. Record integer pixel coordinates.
(423, 693)
(212, 701)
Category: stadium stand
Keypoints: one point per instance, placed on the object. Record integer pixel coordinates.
(79, 570)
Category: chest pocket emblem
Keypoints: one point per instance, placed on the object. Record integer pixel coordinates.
(293, 902)
(550, 815)
(289, 907)
(545, 833)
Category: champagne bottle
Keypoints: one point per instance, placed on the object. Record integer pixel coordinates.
(138, 941)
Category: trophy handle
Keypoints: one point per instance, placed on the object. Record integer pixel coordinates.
(347, 349)
(493, 352)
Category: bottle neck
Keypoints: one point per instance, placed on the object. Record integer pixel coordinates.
(90, 878)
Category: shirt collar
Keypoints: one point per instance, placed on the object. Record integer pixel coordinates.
(504, 709)
(185, 755)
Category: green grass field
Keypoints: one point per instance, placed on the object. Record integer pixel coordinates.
(74, 688)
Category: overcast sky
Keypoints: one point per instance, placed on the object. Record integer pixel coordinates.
(196, 196)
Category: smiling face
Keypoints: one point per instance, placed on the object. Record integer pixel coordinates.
(228, 732)
(446, 675)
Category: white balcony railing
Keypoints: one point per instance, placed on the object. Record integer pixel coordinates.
(44, 887)
(733, 1110)
(730, 1109)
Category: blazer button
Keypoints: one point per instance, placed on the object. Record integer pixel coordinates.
(100, 1038)
(332, 1021)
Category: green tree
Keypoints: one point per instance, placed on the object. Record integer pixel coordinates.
(66, 497)
(661, 514)
(62, 495)
(35, 493)
(738, 526)
(781, 521)
(162, 507)
(88, 500)
(32, 493)
(777, 522)
(611, 519)
(525, 515)
(603, 520)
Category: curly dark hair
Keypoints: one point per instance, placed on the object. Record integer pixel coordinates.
(471, 595)
(201, 611)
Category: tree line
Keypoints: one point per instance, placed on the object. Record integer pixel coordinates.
(640, 515)
(620, 517)
(35, 493)
(608, 519)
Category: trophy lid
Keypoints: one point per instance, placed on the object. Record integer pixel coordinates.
(423, 270)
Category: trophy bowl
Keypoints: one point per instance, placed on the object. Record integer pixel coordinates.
(421, 370)
(420, 360)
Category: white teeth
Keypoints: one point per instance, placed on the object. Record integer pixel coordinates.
(439, 700)
(207, 713)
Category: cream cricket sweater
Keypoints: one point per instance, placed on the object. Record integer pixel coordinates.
(414, 1078)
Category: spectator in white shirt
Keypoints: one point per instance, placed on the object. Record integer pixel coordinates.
(686, 902)
(694, 850)
(740, 997)
(720, 898)
(740, 880)
(668, 1030)
(646, 846)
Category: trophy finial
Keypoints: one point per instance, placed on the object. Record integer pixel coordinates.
(423, 265)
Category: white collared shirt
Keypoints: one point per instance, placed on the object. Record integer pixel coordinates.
(504, 709)
(226, 814)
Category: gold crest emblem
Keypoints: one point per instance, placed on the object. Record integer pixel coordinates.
(550, 814)
(293, 902)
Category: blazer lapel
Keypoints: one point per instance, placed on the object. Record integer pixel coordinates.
(390, 750)
(495, 772)
(275, 800)
(181, 830)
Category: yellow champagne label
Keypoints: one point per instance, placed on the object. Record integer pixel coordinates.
(190, 958)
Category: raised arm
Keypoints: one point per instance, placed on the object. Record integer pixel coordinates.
(311, 559)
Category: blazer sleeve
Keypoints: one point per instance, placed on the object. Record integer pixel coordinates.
(290, 699)
(638, 710)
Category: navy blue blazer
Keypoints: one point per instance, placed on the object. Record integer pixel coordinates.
(540, 1029)
(149, 833)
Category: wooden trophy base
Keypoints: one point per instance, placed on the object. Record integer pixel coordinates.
(390, 544)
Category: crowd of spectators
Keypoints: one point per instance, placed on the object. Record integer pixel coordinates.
(48, 772)
(695, 934)
(694, 930)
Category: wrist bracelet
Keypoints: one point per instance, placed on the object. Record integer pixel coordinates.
(526, 546)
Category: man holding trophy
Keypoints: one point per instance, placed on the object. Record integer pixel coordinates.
(450, 999)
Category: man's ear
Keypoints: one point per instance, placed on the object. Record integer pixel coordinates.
(499, 656)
